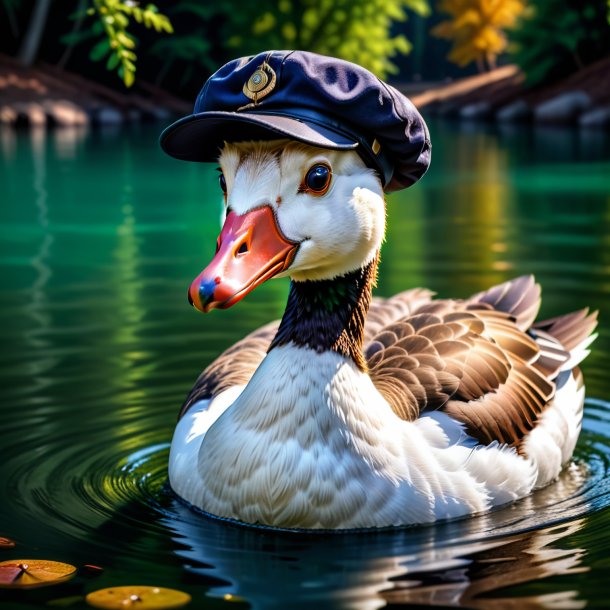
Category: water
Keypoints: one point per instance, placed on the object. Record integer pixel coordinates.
(100, 235)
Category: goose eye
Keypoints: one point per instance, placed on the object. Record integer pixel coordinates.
(223, 183)
(317, 179)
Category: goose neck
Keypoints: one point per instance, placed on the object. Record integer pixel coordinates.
(329, 315)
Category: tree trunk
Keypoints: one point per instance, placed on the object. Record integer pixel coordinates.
(31, 42)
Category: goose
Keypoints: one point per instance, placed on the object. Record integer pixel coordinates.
(354, 412)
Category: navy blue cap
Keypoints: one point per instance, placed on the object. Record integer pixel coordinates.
(318, 100)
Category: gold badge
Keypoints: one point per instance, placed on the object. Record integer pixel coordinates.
(261, 83)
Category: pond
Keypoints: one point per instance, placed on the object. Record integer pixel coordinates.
(100, 236)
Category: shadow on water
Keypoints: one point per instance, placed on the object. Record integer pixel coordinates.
(99, 237)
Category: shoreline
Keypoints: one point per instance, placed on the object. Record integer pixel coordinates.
(44, 95)
(501, 95)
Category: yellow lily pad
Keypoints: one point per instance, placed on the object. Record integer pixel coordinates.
(30, 573)
(138, 596)
(6, 543)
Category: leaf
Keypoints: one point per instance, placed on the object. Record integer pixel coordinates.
(74, 38)
(100, 50)
(126, 40)
(31, 573)
(6, 543)
(129, 77)
(113, 61)
(137, 596)
(9, 574)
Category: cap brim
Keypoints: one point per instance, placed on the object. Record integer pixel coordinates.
(200, 137)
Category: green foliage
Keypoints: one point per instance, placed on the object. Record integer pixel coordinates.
(355, 30)
(113, 20)
(556, 38)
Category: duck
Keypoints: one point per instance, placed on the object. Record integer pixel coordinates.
(355, 412)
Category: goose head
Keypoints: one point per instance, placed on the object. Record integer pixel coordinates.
(291, 209)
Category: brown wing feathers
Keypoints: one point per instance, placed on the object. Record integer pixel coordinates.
(495, 377)
(570, 329)
(422, 361)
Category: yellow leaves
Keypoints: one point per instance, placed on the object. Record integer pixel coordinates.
(140, 597)
(476, 27)
(31, 573)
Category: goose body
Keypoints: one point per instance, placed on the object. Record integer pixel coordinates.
(355, 412)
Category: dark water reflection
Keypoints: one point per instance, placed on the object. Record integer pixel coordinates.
(100, 236)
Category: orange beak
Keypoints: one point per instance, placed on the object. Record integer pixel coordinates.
(251, 249)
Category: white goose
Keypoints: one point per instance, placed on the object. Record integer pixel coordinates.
(356, 413)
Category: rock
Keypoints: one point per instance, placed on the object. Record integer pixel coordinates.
(563, 108)
(65, 114)
(107, 115)
(477, 110)
(596, 117)
(518, 110)
(31, 113)
(8, 115)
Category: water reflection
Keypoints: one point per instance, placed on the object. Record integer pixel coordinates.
(476, 581)
(433, 567)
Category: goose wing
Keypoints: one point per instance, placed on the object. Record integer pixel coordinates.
(471, 359)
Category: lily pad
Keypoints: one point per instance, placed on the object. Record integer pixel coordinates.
(138, 596)
(6, 543)
(30, 573)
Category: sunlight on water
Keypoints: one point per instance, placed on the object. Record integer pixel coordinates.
(100, 236)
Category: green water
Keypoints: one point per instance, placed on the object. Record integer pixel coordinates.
(100, 236)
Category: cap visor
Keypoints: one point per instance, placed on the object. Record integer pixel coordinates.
(200, 137)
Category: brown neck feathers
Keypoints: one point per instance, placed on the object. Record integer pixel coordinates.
(329, 315)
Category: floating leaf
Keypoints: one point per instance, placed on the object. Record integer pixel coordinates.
(6, 543)
(9, 574)
(30, 573)
(141, 597)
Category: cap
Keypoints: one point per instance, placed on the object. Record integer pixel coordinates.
(315, 99)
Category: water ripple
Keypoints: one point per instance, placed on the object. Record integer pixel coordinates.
(76, 486)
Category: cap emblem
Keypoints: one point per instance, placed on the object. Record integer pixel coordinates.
(261, 83)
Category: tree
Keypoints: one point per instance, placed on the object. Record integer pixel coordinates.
(31, 42)
(355, 30)
(476, 28)
(111, 25)
(556, 37)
